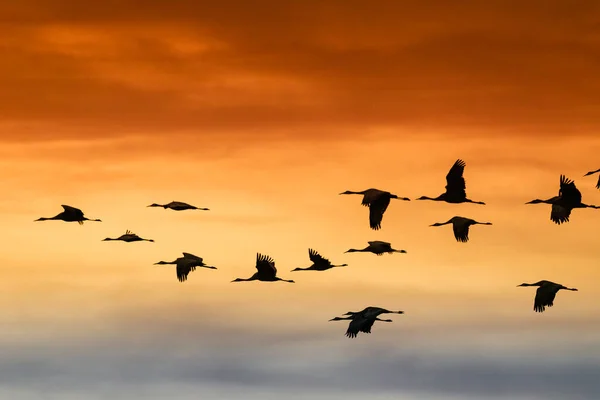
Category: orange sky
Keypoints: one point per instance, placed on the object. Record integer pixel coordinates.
(264, 111)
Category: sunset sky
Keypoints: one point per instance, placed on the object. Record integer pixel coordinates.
(264, 111)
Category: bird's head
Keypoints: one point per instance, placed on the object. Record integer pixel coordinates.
(347, 192)
(437, 224)
(525, 284)
(395, 196)
(350, 251)
(296, 269)
(423, 198)
(237, 280)
(154, 205)
(349, 313)
(105, 239)
(590, 173)
(161, 263)
(336, 319)
(210, 267)
(536, 201)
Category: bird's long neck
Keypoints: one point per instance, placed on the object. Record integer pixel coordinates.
(167, 262)
(285, 280)
(252, 278)
(301, 269)
(439, 198)
(111, 239)
(474, 202)
(482, 223)
(582, 205)
(567, 288)
(45, 219)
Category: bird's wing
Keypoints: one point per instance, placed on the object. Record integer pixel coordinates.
(72, 210)
(376, 210)
(598, 184)
(568, 191)
(370, 196)
(265, 265)
(560, 214)
(367, 325)
(183, 269)
(355, 326)
(544, 297)
(461, 230)
(317, 258)
(454, 180)
(191, 256)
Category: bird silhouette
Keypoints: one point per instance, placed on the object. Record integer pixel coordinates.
(185, 265)
(377, 201)
(178, 206)
(569, 197)
(377, 247)
(455, 187)
(460, 226)
(545, 294)
(129, 237)
(372, 312)
(70, 214)
(266, 271)
(592, 173)
(359, 323)
(319, 263)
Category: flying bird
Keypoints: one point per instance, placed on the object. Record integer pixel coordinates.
(70, 214)
(129, 237)
(592, 173)
(377, 201)
(569, 197)
(266, 271)
(185, 265)
(460, 226)
(359, 323)
(377, 247)
(545, 294)
(178, 206)
(320, 263)
(455, 187)
(372, 312)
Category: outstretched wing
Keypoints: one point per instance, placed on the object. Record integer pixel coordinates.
(371, 195)
(367, 325)
(376, 210)
(560, 214)
(72, 210)
(455, 183)
(354, 327)
(461, 231)
(544, 297)
(265, 265)
(317, 258)
(192, 257)
(598, 184)
(568, 191)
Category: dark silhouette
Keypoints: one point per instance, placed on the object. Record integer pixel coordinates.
(377, 247)
(266, 271)
(455, 187)
(545, 294)
(185, 265)
(592, 173)
(461, 225)
(319, 263)
(359, 323)
(372, 312)
(70, 214)
(377, 201)
(178, 206)
(569, 197)
(129, 237)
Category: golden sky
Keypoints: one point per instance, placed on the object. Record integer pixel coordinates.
(264, 111)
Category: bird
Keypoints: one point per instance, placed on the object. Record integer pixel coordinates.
(319, 263)
(545, 294)
(377, 247)
(455, 186)
(592, 173)
(461, 225)
(129, 237)
(569, 197)
(359, 323)
(185, 265)
(377, 201)
(70, 214)
(372, 312)
(178, 206)
(266, 271)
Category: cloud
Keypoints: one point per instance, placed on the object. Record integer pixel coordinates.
(108, 68)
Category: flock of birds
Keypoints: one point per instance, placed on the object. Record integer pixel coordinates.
(569, 198)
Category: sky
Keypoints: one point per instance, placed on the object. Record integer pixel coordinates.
(263, 111)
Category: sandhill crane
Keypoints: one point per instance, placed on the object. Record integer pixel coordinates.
(359, 323)
(377, 247)
(320, 263)
(569, 197)
(461, 225)
(377, 201)
(372, 312)
(185, 265)
(70, 214)
(455, 187)
(129, 237)
(592, 173)
(266, 271)
(545, 294)
(178, 206)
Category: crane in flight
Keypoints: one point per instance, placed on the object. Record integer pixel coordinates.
(265, 271)
(69, 214)
(377, 201)
(455, 187)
